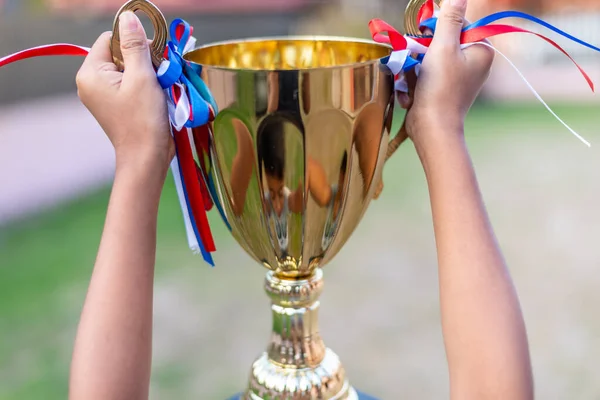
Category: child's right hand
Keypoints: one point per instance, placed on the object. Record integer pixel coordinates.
(130, 106)
(449, 82)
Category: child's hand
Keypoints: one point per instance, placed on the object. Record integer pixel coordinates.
(449, 82)
(130, 106)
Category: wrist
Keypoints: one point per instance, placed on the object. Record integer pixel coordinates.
(427, 121)
(433, 127)
(147, 165)
(440, 148)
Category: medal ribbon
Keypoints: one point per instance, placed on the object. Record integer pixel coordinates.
(409, 51)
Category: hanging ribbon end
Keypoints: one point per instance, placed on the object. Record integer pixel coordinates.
(209, 260)
(195, 250)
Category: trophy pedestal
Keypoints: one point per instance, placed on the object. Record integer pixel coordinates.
(297, 365)
(361, 396)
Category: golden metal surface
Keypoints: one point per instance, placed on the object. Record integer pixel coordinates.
(159, 22)
(288, 53)
(296, 154)
(410, 16)
(297, 365)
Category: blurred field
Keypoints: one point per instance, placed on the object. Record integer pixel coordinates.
(380, 311)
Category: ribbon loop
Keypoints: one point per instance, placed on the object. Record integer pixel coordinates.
(175, 69)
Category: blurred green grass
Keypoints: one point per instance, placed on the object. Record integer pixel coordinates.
(46, 260)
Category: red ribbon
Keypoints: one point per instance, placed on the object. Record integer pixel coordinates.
(426, 11)
(46, 51)
(193, 188)
(382, 32)
(197, 192)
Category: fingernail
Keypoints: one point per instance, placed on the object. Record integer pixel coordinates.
(128, 22)
(459, 3)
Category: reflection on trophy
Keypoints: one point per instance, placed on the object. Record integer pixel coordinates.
(295, 155)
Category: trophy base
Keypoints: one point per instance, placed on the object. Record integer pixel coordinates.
(361, 396)
(297, 364)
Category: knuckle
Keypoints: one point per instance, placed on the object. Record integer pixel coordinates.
(82, 80)
(446, 49)
(134, 45)
(142, 78)
(105, 35)
(106, 67)
(454, 18)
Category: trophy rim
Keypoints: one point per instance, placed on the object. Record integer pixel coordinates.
(328, 38)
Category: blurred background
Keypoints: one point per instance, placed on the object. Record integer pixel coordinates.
(541, 186)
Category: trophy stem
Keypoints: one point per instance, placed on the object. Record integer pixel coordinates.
(295, 338)
(297, 365)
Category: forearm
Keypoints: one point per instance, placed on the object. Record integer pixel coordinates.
(112, 356)
(484, 332)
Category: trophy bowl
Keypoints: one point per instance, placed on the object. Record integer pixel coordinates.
(298, 144)
(295, 156)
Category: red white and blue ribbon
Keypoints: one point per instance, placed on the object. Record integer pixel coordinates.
(191, 107)
(409, 51)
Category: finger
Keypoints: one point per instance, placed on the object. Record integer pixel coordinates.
(100, 54)
(450, 23)
(480, 57)
(411, 81)
(404, 100)
(134, 44)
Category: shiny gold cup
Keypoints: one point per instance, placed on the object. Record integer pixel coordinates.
(296, 154)
(297, 151)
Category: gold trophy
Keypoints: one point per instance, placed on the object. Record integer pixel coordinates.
(296, 154)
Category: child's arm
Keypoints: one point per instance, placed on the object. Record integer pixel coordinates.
(113, 350)
(484, 332)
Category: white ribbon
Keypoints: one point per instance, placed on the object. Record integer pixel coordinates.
(191, 45)
(535, 93)
(397, 60)
(180, 113)
(414, 46)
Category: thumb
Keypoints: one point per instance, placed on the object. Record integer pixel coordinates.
(134, 43)
(450, 22)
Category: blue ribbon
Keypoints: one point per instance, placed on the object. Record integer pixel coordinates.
(517, 14)
(179, 71)
(213, 192)
(431, 24)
